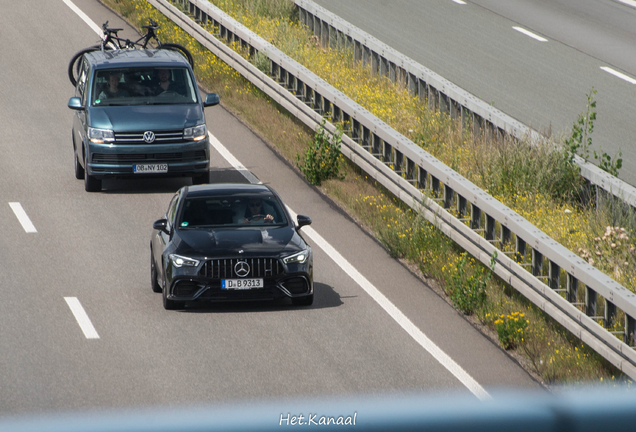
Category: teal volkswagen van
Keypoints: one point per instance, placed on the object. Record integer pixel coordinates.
(138, 113)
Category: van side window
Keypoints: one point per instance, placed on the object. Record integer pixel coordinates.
(81, 81)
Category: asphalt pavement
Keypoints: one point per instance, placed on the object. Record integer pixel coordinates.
(94, 247)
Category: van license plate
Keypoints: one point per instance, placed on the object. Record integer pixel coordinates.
(150, 168)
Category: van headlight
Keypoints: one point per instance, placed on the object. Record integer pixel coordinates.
(101, 136)
(196, 133)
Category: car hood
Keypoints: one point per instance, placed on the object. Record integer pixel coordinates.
(272, 242)
(145, 117)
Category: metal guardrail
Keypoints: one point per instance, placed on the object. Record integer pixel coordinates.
(441, 94)
(407, 170)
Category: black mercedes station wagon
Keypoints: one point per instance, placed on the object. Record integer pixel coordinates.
(230, 242)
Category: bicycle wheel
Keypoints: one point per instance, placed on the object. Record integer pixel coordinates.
(73, 65)
(179, 48)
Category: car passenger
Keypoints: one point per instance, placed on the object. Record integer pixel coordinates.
(256, 213)
(112, 90)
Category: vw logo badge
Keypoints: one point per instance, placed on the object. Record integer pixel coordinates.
(149, 136)
(242, 269)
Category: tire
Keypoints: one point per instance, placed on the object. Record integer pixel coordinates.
(179, 48)
(153, 275)
(73, 65)
(201, 179)
(303, 301)
(91, 184)
(79, 169)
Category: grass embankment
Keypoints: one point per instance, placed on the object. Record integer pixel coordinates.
(538, 182)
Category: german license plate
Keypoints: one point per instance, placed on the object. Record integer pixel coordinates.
(241, 284)
(150, 168)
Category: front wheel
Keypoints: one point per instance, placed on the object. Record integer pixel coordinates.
(153, 275)
(91, 184)
(179, 48)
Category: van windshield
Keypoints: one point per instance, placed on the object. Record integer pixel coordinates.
(143, 86)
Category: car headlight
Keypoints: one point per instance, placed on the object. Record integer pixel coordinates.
(196, 133)
(297, 258)
(182, 261)
(100, 136)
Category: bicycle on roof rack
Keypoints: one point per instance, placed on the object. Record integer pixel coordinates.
(112, 41)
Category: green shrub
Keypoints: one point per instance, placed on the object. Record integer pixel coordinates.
(468, 292)
(322, 157)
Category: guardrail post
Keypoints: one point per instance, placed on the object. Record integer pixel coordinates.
(505, 235)
(590, 302)
(461, 206)
(489, 233)
(537, 263)
(357, 51)
(554, 276)
(444, 104)
(520, 249)
(376, 149)
(610, 313)
(388, 154)
(375, 63)
(411, 174)
(448, 197)
(475, 217)
(630, 328)
(422, 90)
(572, 288)
(422, 178)
(435, 186)
(412, 84)
(366, 138)
(433, 98)
(384, 66)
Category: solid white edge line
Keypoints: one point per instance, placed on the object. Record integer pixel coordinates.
(530, 34)
(619, 75)
(631, 3)
(22, 217)
(375, 294)
(84, 17)
(82, 318)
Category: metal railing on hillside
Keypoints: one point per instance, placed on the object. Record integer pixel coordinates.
(441, 94)
(555, 279)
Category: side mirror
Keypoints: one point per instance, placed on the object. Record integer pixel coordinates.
(75, 103)
(303, 220)
(211, 99)
(161, 225)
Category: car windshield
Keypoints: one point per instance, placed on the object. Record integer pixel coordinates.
(143, 86)
(231, 211)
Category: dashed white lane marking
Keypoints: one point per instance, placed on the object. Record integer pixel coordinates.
(22, 217)
(619, 75)
(375, 294)
(82, 318)
(530, 34)
(459, 2)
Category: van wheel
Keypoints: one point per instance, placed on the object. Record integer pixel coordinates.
(79, 169)
(91, 184)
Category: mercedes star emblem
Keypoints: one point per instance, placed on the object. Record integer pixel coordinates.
(242, 269)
